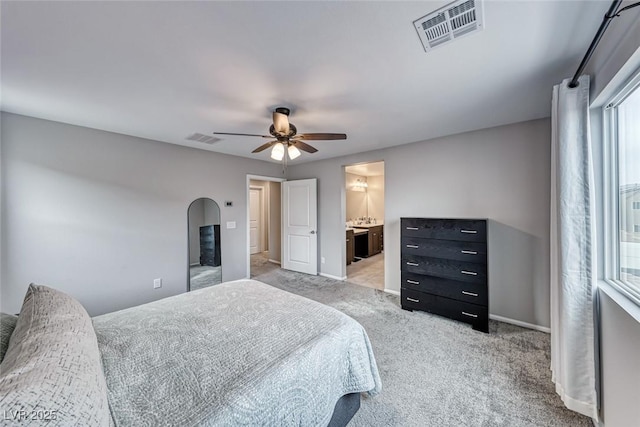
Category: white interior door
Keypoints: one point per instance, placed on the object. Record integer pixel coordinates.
(255, 211)
(299, 220)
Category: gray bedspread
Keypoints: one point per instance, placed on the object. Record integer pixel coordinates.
(240, 353)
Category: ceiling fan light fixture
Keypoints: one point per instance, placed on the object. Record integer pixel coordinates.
(277, 153)
(293, 152)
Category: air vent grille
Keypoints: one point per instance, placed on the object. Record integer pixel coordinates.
(199, 137)
(449, 23)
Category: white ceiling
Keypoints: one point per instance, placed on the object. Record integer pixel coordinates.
(366, 169)
(164, 70)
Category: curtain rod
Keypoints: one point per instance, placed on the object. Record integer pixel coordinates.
(612, 13)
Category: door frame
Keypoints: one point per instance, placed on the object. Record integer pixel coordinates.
(261, 218)
(344, 212)
(248, 213)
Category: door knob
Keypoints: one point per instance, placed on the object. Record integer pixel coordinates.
(312, 232)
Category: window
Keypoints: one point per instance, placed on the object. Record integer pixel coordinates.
(622, 216)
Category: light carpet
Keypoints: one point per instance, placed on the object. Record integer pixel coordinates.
(436, 371)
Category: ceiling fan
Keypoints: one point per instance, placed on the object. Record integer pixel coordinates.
(287, 137)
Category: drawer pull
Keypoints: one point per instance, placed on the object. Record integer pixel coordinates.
(469, 231)
(413, 282)
(414, 300)
(469, 293)
(470, 252)
(469, 314)
(470, 273)
(412, 228)
(413, 264)
(413, 246)
(347, 240)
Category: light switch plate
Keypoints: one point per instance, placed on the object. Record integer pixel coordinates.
(231, 224)
(157, 283)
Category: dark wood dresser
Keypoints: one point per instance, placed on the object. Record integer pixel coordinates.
(444, 268)
(210, 245)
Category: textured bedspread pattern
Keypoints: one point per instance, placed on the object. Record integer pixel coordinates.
(239, 353)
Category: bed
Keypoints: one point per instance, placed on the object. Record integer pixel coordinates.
(238, 353)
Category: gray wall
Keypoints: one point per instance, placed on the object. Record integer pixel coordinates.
(617, 56)
(501, 173)
(211, 212)
(99, 215)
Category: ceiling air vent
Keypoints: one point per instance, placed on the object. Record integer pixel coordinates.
(448, 23)
(199, 137)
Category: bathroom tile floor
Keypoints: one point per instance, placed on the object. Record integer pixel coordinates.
(367, 272)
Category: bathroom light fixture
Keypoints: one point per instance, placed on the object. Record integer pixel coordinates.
(359, 185)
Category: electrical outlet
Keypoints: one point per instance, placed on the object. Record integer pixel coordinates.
(322, 260)
(157, 283)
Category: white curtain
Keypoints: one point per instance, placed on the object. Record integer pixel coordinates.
(572, 250)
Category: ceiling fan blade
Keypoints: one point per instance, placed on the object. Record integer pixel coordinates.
(243, 134)
(281, 123)
(264, 146)
(321, 136)
(304, 146)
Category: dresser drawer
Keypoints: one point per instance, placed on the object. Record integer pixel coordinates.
(474, 314)
(447, 249)
(474, 293)
(466, 230)
(456, 270)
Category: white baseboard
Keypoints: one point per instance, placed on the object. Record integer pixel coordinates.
(274, 261)
(391, 291)
(520, 323)
(331, 276)
(194, 264)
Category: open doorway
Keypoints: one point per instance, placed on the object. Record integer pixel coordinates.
(364, 189)
(264, 224)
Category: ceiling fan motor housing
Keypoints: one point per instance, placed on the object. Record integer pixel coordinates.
(283, 110)
(292, 131)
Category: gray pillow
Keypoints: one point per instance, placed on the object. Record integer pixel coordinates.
(52, 370)
(7, 325)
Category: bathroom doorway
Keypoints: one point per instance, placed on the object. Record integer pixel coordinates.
(364, 189)
(264, 234)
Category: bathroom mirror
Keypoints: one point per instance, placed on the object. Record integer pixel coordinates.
(205, 260)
